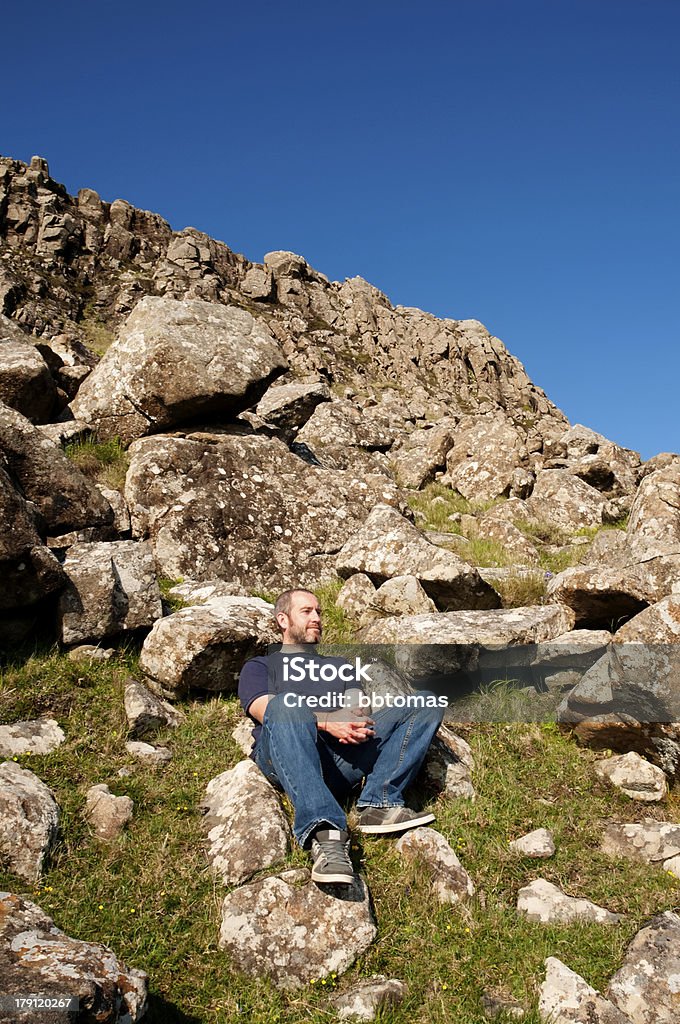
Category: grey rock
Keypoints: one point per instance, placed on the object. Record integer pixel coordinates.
(175, 360)
(338, 422)
(112, 589)
(356, 599)
(538, 843)
(565, 998)
(148, 753)
(37, 957)
(450, 881)
(634, 776)
(449, 764)
(63, 498)
(39, 736)
(289, 406)
(242, 735)
(246, 828)
(146, 713)
(544, 902)
(422, 453)
(364, 999)
(25, 380)
(486, 452)
(652, 842)
(293, 931)
(559, 497)
(646, 989)
(402, 595)
(658, 624)
(203, 647)
(29, 821)
(191, 592)
(387, 545)
(107, 814)
(497, 1005)
(244, 509)
(91, 652)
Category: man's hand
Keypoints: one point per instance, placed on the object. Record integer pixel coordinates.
(353, 730)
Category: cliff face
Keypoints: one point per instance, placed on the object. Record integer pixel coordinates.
(76, 266)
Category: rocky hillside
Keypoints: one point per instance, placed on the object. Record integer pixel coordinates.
(184, 433)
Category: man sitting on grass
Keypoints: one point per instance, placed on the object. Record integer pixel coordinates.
(318, 751)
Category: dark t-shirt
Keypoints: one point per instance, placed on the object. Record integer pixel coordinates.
(279, 672)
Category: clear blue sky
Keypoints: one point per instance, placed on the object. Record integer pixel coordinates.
(515, 161)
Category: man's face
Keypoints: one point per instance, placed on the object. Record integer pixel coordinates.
(302, 625)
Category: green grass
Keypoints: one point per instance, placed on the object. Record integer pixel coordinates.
(521, 589)
(104, 461)
(171, 602)
(151, 897)
(96, 334)
(449, 501)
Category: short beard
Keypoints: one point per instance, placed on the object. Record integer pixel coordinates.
(298, 635)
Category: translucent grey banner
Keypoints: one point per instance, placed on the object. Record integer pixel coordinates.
(551, 681)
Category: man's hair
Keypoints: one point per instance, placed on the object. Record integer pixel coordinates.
(285, 600)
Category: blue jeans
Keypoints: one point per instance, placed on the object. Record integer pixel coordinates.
(316, 771)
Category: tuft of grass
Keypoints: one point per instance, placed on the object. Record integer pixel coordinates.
(171, 603)
(96, 333)
(488, 554)
(522, 589)
(152, 898)
(448, 501)
(337, 628)
(563, 558)
(104, 461)
(542, 531)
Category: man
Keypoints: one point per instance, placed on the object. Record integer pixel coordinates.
(317, 750)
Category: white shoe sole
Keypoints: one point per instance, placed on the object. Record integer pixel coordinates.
(396, 826)
(337, 879)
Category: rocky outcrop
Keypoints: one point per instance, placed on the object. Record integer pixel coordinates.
(176, 361)
(486, 452)
(387, 545)
(29, 821)
(244, 509)
(246, 828)
(37, 957)
(288, 929)
(646, 986)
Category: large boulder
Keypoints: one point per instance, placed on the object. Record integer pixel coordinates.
(597, 460)
(646, 987)
(287, 928)
(289, 406)
(654, 525)
(37, 957)
(30, 571)
(565, 500)
(486, 452)
(63, 498)
(246, 828)
(26, 383)
(340, 423)
(112, 589)
(387, 545)
(203, 647)
(244, 509)
(177, 360)
(422, 453)
(658, 624)
(29, 821)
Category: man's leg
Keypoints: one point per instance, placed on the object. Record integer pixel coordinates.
(402, 738)
(287, 752)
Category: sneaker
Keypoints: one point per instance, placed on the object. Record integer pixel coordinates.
(385, 820)
(330, 850)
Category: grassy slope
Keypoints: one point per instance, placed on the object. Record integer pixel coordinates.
(152, 898)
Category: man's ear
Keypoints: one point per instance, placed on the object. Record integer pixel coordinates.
(282, 620)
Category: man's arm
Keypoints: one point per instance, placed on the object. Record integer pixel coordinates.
(353, 730)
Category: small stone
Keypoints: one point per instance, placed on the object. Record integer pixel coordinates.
(242, 734)
(363, 1000)
(450, 880)
(146, 713)
(38, 736)
(634, 776)
(495, 1004)
(538, 843)
(91, 652)
(542, 901)
(652, 842)
(108, 814)
(147, 752)
(566, 998)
